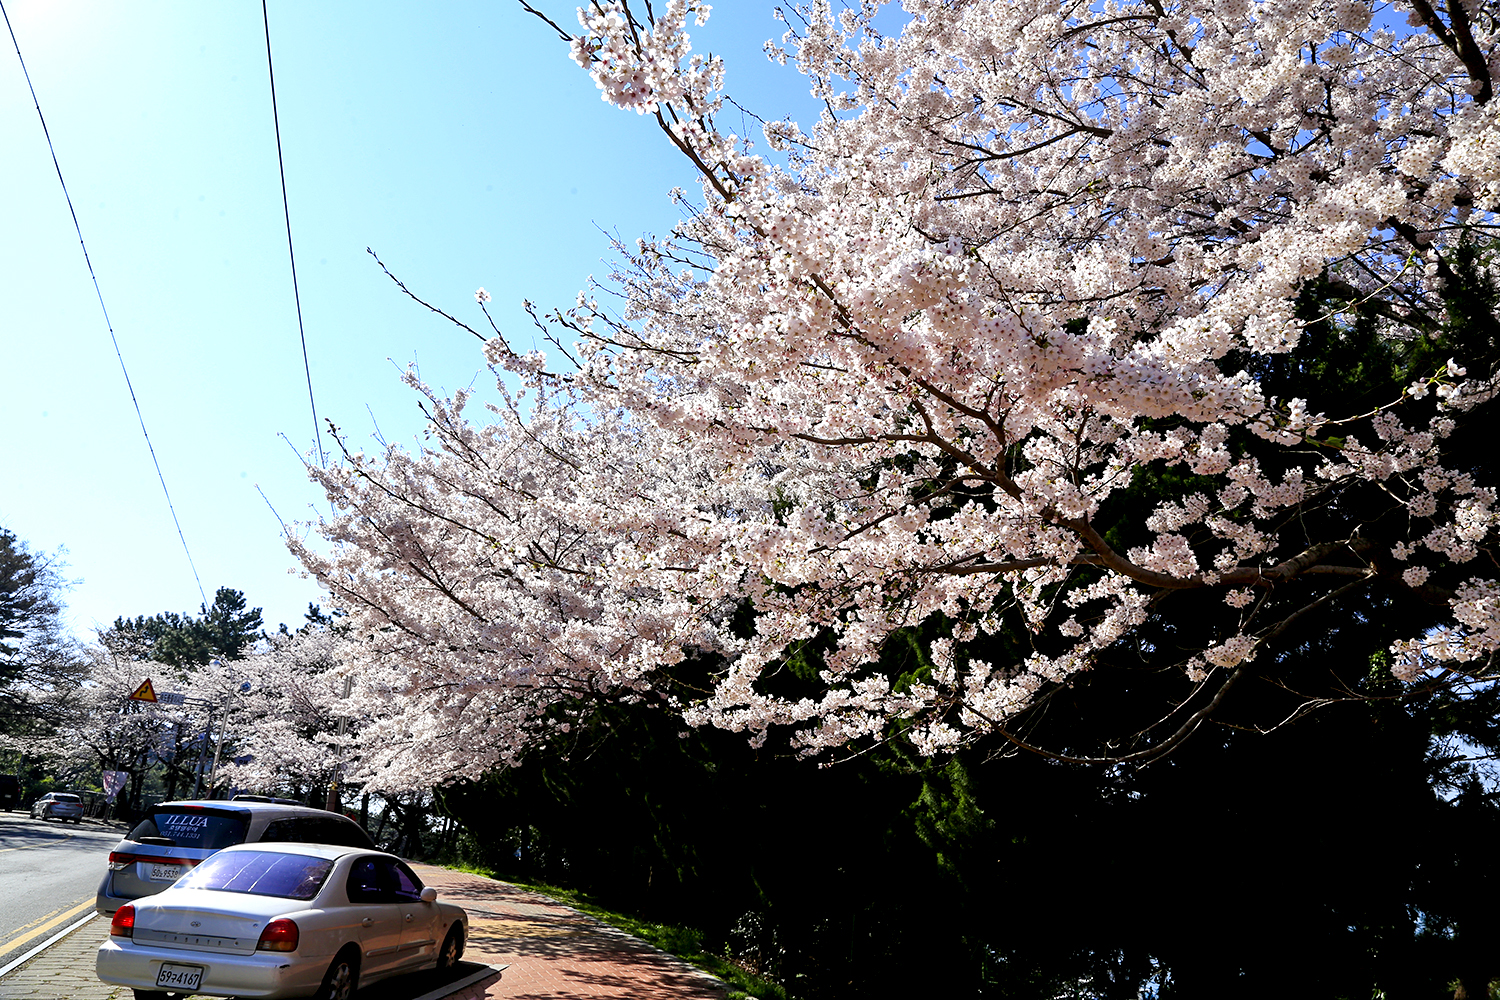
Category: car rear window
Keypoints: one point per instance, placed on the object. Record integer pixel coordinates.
(195, 828)
(66, 798)
(260, 873)
(317, 830)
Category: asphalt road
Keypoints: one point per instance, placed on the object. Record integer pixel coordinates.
(49, 872)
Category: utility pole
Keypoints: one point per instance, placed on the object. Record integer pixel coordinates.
(203, 749)
(219, 745)
(332, 803)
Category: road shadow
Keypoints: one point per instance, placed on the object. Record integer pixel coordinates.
(592, 958)
(28, 832)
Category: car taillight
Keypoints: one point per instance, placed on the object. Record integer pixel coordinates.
(279, 935)
(123, 924)
(120, 860)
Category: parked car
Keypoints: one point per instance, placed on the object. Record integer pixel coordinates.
(10, 791)
(282, 920)
(62, 806)
(175, 836)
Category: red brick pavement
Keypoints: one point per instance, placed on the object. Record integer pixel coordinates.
(555, 952)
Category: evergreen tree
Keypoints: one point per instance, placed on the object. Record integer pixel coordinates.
(223, 630)
(39, 661)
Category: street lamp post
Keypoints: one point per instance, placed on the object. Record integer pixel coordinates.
(218, 744)
(332, 803)
(202, 747)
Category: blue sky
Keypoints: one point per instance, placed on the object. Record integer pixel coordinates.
(457, 140)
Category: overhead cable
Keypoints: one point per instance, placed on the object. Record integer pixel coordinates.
(100, 295)
(291, 254)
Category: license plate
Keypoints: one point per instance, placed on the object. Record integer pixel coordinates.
(166, 873)
(184, 977)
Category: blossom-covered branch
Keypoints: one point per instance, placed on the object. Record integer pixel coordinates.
(1036, 265)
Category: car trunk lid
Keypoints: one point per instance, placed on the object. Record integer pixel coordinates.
(197, 921)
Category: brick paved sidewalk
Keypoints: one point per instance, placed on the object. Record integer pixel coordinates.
(553, 952)
(65, 971)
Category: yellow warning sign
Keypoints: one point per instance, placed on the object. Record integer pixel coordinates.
(145, 692)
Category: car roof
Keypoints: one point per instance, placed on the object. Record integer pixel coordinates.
(264, 808)
(330, 852)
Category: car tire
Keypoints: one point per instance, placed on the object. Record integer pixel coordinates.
(453, 948)
(341, 981)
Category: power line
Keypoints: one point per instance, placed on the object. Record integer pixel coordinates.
(291, 255)
(100, 295)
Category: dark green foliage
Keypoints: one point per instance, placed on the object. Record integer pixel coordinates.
(222, 630)
(39, 662)
(1240, 865)
(22, 597)
(813, 876)
(1317, 855)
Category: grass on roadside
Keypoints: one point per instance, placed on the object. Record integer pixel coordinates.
(684, 942)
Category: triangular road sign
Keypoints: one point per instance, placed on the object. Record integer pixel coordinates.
(145, 692)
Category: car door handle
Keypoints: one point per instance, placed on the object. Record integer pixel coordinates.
(366, 922)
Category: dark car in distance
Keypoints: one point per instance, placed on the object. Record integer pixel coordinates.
(10, 791)
(175, 836)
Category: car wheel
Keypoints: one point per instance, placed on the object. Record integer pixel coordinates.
(453, 948)
(342, 978)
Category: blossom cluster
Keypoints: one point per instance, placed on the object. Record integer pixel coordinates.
(908, 370)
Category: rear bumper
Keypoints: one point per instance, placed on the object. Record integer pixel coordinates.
(259, 974)
(120, 887)
(106, 902)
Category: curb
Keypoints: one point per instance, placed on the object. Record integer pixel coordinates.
(479, 975)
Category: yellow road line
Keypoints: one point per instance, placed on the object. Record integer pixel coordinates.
(9, 946)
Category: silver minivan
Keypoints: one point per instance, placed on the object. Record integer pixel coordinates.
(62, 806)
(175, 836)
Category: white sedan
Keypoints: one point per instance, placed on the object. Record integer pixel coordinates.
(281, 920)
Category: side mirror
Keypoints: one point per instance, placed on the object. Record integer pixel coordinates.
(428, 894)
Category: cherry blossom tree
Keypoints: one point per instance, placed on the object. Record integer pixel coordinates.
(282, 724)
(97, 726)
(100, 728)
(919, 361)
